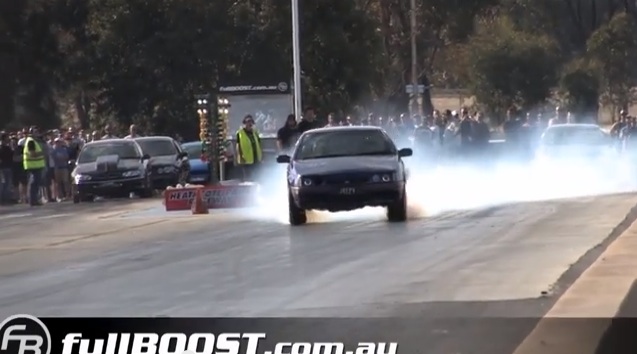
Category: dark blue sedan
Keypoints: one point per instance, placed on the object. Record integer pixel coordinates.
(199, 168)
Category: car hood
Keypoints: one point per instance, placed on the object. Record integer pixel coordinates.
(106, 165)
(163, 160)
(347, 164)
(574, 150)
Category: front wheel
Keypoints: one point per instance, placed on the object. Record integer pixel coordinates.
(397, 211)
(297, 215)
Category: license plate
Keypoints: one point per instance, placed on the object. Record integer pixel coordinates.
(347, 191)
(110, 184)
(197, 179)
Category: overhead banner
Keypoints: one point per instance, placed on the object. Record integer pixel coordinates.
(272, 89)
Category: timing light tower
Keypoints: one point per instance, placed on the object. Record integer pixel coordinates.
(213, 131)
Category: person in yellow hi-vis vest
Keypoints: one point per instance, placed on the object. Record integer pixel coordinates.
(249, 153)
(34, 164)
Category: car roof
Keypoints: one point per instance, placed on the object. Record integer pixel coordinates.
(143, 138)
(345, 128)
(574, 125)
(105, 141)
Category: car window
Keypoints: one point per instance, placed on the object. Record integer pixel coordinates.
(193, 150)
(574, 136)
(157, 147)
(344, 143)
(90, 153)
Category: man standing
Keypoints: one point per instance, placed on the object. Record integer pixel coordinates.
(308, 122)
(286, 136)
(61, 176)
(331, 121)
(133, 132)
(107, 133)
(249, 153)
(6, 170)
(465, 131)
(34, 164)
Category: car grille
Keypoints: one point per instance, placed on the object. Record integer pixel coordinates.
(107, 176)
(349, 178)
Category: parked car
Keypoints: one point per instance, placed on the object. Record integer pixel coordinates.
(199, 165)
(111, 168)
(168, 161)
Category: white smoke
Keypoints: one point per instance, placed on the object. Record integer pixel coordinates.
(433, 190)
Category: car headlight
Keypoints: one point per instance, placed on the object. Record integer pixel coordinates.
(303, 181)
(81, 178)
(134, 173)
(384, 177)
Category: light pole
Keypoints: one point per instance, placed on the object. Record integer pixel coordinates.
(296, 58)
(415, 98)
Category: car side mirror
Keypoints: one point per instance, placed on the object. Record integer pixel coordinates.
(283, 159)
(182, 155)
(145, 157)
(405, 152)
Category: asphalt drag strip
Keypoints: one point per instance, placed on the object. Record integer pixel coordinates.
(475, 281)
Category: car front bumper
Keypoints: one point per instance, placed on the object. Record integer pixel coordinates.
(199, 178)
(108, 188)
(164, 180)
(341, 198)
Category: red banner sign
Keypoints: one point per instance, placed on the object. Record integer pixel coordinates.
(215, 197)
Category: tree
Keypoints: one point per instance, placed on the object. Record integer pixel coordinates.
(614, 47)
(509, 67)
(580, 87)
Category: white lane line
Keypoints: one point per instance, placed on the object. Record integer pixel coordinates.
(15, 216)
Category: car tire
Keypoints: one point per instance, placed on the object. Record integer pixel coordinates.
(297, 215)
(397, 211)
(147, 191)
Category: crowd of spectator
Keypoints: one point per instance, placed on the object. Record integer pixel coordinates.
(61, 148)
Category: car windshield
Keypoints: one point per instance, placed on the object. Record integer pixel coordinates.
(157, 147)
(574, 136)
(90, 153)
(193, 150)
(344, 143)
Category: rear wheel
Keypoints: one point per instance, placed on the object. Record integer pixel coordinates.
(296, 214)
(397, 211)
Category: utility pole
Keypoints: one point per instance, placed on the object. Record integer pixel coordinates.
(415, 96)
(296, 59)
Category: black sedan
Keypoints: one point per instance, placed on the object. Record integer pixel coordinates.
(346, 168)
(168, 161)
(111, 168)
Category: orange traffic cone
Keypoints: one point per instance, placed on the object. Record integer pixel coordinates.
(198, 205)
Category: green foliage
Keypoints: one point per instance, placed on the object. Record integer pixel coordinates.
(123, 61)
(509, 67)
(580, 87)
(614, 47)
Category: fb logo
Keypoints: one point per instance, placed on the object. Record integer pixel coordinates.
(24, 334)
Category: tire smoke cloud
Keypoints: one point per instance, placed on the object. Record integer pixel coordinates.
(432, 190)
